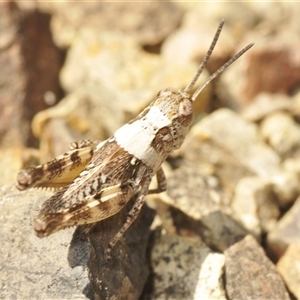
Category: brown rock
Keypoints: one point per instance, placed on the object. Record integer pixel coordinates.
(262, 61)
(30, 65)
(258, 70)
(250, 274)
(124, 276)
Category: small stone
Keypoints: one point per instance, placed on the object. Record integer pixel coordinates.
(264, 104)
(286, 232)
(289, 268)
(286, 187)
(255, 205)
(75, 117)
(250, 274)
(282, 133)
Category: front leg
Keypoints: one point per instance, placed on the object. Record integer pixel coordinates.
(132, 215)
(161, 182)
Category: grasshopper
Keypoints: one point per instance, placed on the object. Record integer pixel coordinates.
(97, 179)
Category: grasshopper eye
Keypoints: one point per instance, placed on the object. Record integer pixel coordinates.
(185, 112)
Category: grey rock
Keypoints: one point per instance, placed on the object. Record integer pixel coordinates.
(184, 268)
(200, 208)
(233, 148)
(33, 268)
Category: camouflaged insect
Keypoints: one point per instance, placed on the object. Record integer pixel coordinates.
(96, 179)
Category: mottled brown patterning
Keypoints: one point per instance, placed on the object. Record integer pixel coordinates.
(98, 178)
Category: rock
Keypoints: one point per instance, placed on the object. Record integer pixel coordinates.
(286, 187)
(199, 207)
(185, 268)
(257, 72)
(265, 104)
(285, 233)
(191, 41)
(292, 165)
(30, 64)
(255, 205)
(234, 148)
(241, 138)
(148, 23)
(250, 274)
(191, 44)
(288, 268)
(120, 78)
(282, 133)
(125, 275)
(65, 265)
(296, 104)
(10, 164)
(75, 117)
(33, 267)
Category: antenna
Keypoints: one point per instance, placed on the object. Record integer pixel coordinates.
(220, 70)
(205, 60)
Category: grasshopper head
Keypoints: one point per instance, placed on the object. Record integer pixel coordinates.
(177, 107)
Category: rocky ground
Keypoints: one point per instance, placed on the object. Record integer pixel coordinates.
(228, 225)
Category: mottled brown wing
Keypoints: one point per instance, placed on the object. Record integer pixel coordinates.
(58, 172)
(94, 209)
(101, 190)
(110, 165)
